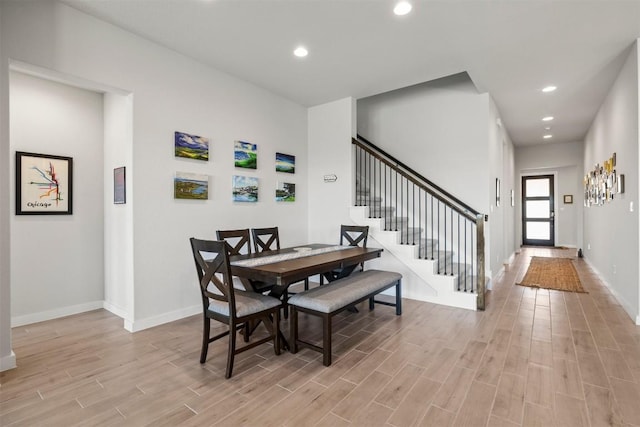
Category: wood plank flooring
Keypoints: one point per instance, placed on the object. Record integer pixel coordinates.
(533, 358)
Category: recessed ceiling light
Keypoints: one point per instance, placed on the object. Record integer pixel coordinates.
(300, 52)
(547, 128)
(549, 89)
(547, 136)
(547, 119)
(402, 8)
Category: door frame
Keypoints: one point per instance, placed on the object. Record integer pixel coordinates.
(520, 212)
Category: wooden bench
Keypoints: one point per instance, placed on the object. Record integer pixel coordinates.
(328, 300)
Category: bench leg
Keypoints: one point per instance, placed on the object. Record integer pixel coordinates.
(371, 303)
(293, 335)
(326, 339)
(398, 298)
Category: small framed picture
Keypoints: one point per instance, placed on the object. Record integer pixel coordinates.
(44, 184)
(568, 199)
(119, 186)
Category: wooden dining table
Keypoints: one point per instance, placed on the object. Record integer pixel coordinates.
(290, 265)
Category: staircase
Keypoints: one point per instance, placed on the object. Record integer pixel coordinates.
(434, 234)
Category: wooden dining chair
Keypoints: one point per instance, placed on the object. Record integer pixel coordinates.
(233, 307)
(351, 235)
(268, 239)
(265, 239)
(239, 242)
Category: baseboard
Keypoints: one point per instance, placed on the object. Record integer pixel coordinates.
(625, 306)
(150, 322)
(42, 316)
(112, 308)
(8, 362)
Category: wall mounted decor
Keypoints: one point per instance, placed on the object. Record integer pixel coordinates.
(191, 146)
(513, 199)
(285, 163)
(191, 186)
(568, 199)
(246, 155)
(497, 191)
(44, 184)
(602, 183)
(245, 189)
(119, 186)
(285, 192)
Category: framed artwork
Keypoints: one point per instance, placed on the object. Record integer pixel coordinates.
(285, 163)
(568, 199)
(44, 184)
(285, 192)
(245, 189)
(245, 155)
(119, 186)
(191, 186)
(497, 191)
(191, 146)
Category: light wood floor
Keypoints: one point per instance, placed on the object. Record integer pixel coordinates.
(535, 357)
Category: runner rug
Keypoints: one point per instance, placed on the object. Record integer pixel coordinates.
(552, 273)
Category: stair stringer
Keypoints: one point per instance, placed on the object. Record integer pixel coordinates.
(443, 286)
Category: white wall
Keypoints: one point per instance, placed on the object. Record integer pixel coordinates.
(434, 128)
(612, 230)
(7, 356)
(331, 127)
(118, 219)
(500, 225)
(565, 162)
(448, 132)
(170, 92)
(58, 260)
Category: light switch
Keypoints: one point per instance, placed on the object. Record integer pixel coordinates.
(630, 206)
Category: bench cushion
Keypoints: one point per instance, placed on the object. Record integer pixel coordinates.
(343, 292)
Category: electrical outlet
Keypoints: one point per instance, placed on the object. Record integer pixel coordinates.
(589, 246)
(614, 269)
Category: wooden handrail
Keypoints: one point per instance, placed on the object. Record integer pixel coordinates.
(417, 179)
(376, 162)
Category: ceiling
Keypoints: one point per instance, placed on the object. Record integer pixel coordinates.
(509, 48)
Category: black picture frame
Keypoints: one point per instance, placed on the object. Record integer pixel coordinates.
(44, 184)
(568, 199)
(119, 186)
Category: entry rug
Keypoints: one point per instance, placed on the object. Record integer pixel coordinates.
(552, 273)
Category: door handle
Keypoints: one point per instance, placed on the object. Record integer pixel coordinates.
(553, 214)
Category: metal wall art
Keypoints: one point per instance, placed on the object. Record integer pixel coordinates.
(603, 183)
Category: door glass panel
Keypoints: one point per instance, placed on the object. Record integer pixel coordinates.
(537, 187)
(538, 208)
(538, 231)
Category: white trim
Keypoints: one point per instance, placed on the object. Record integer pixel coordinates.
(42, 316)
(621, 301)
(120, 312)
(150, 322)
(8, 362)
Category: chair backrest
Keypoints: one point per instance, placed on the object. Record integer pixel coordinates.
(354, 235)
(239, 240)
(265, 239)
(212, 265)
